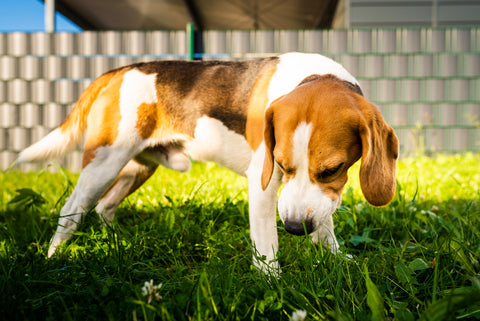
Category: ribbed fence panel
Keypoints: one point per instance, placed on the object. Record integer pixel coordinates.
(65, 91)
(19, 138)
(18, 91)
(420, 65)
(54, 67)
(445, 64)
(179, 42)
(8, 67)
(18, 43)
(288, 40)
(77, 67)
(3, 44)
(74, 160)
(367, 87)
(264, 41)
(448, 114)
(30, 115)
(111, 42)
(385, 90)
(423, 114)
(459, 89)
(384, 40)
(88, 43)
(215, 42)
(396, 65)
(134, 42)
(425, 80)
(471, 115)
(8, 115)
(53, 114)
(65, 43)
(42, 91)
(41, 43)
(337, 41)
(409, 90)
(469, 64)
(409, 40)
(100, 65)
(3, 91)
(433, 40)
(475, 38)
(360, 41)
(457, 40)
(435, 90)
(3, 140)
(373, 66)
(30, 67)
(351, 63)
(158, 42)
(400, 115)
(238, 42)
(7, 158)
(312, 41)
(474, 89)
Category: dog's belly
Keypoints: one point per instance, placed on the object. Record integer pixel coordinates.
(213, 141)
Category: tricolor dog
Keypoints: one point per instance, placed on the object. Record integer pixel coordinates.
(297, 119)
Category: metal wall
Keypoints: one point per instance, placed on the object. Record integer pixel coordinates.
(426, 81)
(383, 13)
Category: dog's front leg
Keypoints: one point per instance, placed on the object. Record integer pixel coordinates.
(326, 235)
(262, 214)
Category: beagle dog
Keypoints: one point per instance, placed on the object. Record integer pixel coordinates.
(297, 119)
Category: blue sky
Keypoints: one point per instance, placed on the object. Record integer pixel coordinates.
(28, 16)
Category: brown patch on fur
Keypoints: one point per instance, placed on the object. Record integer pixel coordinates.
(154, 122)
(103, 119)
(256, 107)
(147, 120)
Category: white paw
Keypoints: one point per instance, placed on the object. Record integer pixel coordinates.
(269, 268)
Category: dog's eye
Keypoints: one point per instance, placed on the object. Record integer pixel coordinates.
(287, 170)
(329, 172)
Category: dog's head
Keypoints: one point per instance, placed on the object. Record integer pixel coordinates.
(314, 134)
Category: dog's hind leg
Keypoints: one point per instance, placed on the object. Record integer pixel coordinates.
(132, 176)
(95, 178)
(137, 171)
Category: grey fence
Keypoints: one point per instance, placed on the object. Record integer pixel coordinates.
(426, 81)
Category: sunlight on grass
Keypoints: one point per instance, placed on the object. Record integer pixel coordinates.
(417, 258)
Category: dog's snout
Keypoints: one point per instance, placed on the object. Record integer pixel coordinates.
(299, 227)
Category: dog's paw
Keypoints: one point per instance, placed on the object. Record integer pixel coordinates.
(269, 268)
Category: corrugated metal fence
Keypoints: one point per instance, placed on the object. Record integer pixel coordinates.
(426, 81)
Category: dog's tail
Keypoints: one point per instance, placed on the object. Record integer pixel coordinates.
(69, 133)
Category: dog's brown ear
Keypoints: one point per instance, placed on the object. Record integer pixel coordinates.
(379, 157)
(269, 139)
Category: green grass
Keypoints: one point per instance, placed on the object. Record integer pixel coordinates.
(417, 258)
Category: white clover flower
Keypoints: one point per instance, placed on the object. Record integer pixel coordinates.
(151, 291)
(298, 315)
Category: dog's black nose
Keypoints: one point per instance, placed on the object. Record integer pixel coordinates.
(299, 227)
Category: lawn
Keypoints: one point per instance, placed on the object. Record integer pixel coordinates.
(417, 258)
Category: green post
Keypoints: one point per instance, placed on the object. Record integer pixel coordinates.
(191, 41)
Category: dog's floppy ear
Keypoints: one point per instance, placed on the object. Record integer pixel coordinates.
(379, 157)
(269, 139)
